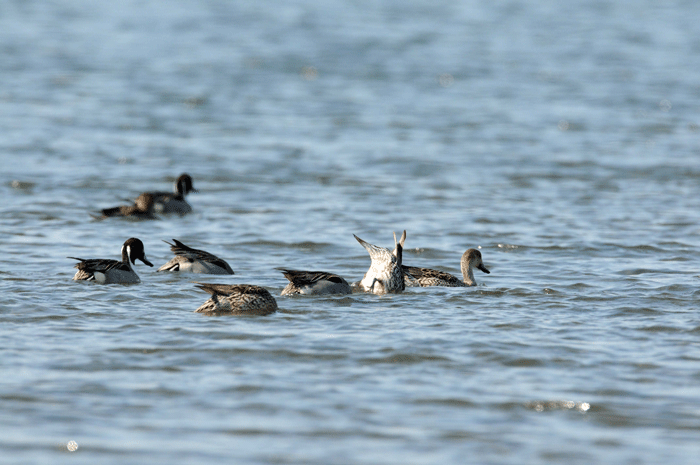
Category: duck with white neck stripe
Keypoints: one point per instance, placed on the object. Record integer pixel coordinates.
(108, 271)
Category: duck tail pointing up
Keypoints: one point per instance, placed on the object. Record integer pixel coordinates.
(398, 247)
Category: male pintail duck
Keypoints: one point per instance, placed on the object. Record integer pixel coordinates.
(237, 299)
(106, 271)
(169, 202)
(385, 273)
(424, 277)
(314, 283)
(143, 208)
(192, 260)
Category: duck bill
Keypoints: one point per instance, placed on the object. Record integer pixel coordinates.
(145, 260)
(483, 268)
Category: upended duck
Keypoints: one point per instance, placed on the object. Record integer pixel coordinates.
(385, 274)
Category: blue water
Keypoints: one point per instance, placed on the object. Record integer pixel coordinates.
(559, 138)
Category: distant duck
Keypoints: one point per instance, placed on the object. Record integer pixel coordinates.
(237, 299)
(174, 202)
(424, 277)
(106, 271)
(314, 283)
(385, 273)
(194, 261)
(143, 208)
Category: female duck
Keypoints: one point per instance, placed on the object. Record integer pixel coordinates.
(143, 208)
(314, 283)
(424, 277)
(237, 299)
(106, 271)
(192, 260)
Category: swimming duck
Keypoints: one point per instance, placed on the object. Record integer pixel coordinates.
(314, 283)
(424, 277)
(237, 299)
(169, 202)
(192, 260)
(106, 271)
(385, 273)
(143, 208)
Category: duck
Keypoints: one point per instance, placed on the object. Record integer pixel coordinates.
(385, 274)
(425, 277)
(174, 202)
(192, 260)
(314, 283)
(107, 271)
(237, 299)
(143, 208)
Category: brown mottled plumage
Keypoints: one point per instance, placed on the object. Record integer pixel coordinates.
(237, 299)
(143, 208)
(425, 277)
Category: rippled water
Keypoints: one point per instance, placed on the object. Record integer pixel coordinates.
(559, 138)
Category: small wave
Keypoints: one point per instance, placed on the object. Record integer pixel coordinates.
(523, 362)
(447, 401)
(403, 358)
(636, 271)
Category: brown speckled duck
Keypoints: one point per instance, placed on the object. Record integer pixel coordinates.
(237, 299)
(424, 277)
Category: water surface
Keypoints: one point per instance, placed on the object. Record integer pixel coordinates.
(560, 139)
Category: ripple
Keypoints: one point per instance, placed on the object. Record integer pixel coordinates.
(447, 402)
(637, 271)
(404, 358)
(523, 362)
(625, 311)
(662, 329)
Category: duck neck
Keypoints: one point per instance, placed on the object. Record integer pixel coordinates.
(126, 251)
(181, 189)
(468, 274)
